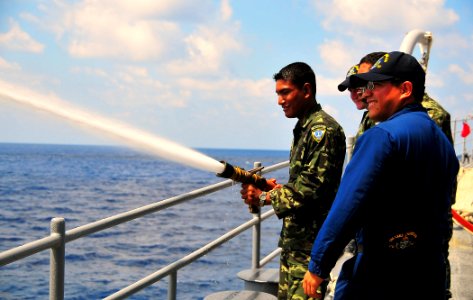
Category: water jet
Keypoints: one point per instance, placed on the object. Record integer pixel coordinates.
(133, 137)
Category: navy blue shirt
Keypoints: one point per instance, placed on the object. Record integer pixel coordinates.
(394, 196)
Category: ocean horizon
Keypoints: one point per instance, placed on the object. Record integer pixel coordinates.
(86, 183)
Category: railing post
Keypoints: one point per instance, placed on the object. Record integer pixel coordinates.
(57, 261)
(172, 286)
(464, 150)
(350, 142)
(255, 257)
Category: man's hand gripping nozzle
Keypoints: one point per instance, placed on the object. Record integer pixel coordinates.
(241, 175)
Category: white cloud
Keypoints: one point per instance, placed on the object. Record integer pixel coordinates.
(96, 32)
(140, 7)
(452, 44)
(226, 10)
(138, 71)
(433, 80)
(362, 26)
(89, 71)
(328, 86)
(206, 50)
(5, 65)
(17, 39)
(132, 88)
(246, 91)
(378, 26)
(129, 30)
(464, 75)
(194, 36)
(135, 89)
(334, 54)
(362, 14)
(245, 97)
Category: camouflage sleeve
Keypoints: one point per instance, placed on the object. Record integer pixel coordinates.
(365, 124)
(315, 171)
(439, 115)
(442, 118)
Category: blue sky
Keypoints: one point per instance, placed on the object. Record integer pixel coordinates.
(199, 73)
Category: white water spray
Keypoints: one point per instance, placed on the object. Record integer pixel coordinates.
(132, 137)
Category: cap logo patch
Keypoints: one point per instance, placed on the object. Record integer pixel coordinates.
(384, 59)
(353, 70)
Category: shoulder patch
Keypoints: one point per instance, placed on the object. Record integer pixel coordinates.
(318, 133)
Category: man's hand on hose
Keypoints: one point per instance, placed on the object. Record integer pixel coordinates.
(250, 194)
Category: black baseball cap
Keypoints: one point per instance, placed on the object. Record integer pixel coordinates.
(346, 83)
(394, 65)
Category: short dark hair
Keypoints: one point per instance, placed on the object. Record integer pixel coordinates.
(298, 73)
(372, 57)
(418, 89)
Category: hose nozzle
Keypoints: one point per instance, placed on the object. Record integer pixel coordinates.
(241, 175)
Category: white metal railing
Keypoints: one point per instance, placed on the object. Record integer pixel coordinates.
(59, 237)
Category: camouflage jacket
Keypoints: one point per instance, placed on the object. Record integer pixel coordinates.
(316, 162)
(440, 116)
(436, 112)
(365, 124)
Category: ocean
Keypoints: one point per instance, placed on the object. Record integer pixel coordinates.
(88, 183)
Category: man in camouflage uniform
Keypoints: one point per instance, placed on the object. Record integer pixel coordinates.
(316, 162)
(437, 113)
(442, 118)
(365, 64)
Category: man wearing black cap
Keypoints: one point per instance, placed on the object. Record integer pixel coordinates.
(365, 64)
(395, 195)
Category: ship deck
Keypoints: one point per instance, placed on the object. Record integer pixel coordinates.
(461, 263)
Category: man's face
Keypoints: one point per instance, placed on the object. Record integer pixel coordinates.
(292, 99)
(384, 99)
(355, 94)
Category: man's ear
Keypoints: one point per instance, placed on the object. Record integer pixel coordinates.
(307, 89)
(406, 89)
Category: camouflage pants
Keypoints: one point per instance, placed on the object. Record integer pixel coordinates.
(293, 266)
